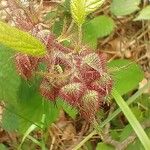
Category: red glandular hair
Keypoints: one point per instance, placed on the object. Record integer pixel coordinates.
(80, 78)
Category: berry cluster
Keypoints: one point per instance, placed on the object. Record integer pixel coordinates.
(80, 78)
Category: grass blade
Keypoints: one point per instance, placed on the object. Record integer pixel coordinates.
(132, 99)
(113, 115)
(132, 120)
(30, 129)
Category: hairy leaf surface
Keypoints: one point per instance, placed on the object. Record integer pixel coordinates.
(127, 75)
(9, 80)
(20, 41)
(78, 11)
(98, 27)
(81, 8)
(92, 5)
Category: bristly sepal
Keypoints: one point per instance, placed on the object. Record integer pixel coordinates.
(72, 93)
(89, 105)
(26, 65)
(79, 78)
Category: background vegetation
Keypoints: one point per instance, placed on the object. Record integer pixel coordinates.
(119, 28)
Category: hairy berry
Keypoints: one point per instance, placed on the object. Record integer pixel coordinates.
(80, 78)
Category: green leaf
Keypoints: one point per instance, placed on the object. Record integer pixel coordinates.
(50, 15)
(3, 147)
(126, 132)
(115, 134)
(26, 134)
(98, 27)
(9, 119)
(9, 80)
(89, 145)
(138, 113)
(81, 8)
(103, 146)
(132, 119)
(32, 106)
(92, 5)
(20, 41)
(51, 112)
(58, 26)
(124, 7)
(145, 100)
(78, 11)
(66, 5)
(136, 145)
(144, 14)
(71, 111)
(127, 77)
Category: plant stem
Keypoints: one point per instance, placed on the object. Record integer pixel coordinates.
(70, 27)
(79, 38)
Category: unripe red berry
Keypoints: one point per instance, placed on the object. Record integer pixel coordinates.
(48, 91)
(89, 105)
(72, 93)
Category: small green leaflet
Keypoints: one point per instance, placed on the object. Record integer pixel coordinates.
(124, 7)
(92, 5)
(20, 41)
(78, 11)
(70, 110)
(144, 14)
(81, 8)
(98, 27)
(127, 79)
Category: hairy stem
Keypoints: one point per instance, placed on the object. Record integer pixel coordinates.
(79, 38)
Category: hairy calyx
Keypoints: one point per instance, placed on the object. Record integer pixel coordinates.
(81, 79)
